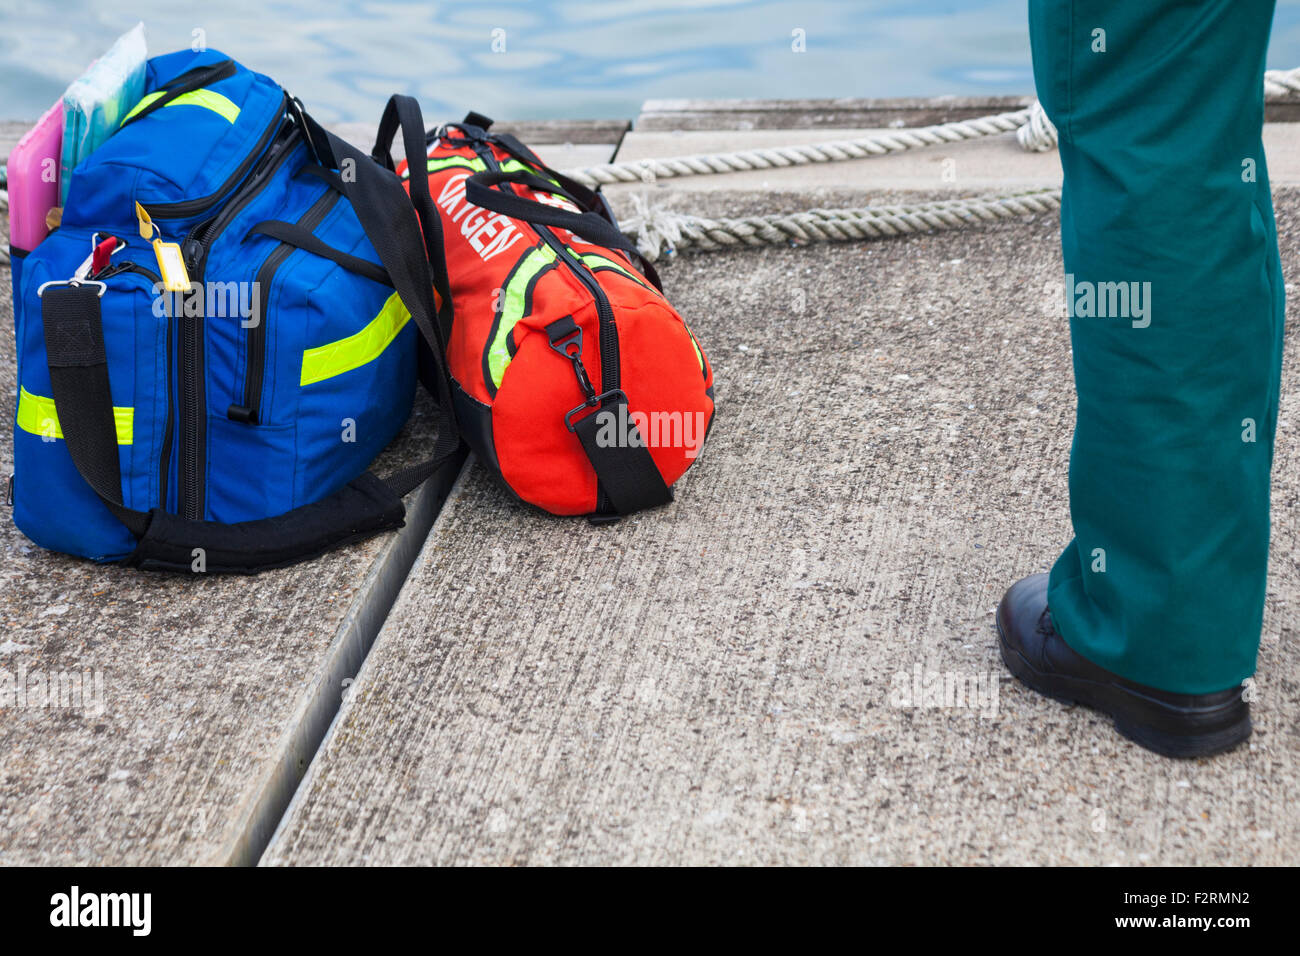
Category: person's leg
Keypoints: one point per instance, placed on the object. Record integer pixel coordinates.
(1176, 301)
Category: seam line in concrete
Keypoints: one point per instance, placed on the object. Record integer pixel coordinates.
(306, 732)
(304, 783)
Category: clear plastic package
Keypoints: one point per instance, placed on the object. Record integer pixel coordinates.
(96, 102)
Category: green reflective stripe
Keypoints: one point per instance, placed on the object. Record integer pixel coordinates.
(513, 303)
(208, 99)
(699, 356)
(36, 414)
(594, 261)
(335, 358)
(438, 164)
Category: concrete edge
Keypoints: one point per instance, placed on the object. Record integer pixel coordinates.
(301, 741)
(561, 132)
(661, 115)
(303, 784)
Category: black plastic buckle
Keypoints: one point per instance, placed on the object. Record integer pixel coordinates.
(566, 339)
(470, 132)
(594, 401)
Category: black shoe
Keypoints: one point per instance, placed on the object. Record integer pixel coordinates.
(1173, 725)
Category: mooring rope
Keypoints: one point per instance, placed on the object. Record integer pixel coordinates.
(704, 164)
(1032, 128)
(657, 230)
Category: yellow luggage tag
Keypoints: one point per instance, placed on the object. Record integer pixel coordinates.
(171, 264)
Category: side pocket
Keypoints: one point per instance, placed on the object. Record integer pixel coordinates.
(249, 407)
(253, 469)
(53, 505)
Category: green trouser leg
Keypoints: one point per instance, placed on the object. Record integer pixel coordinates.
(1176, 301)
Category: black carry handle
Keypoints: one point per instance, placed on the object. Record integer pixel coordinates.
(583, 196)
(589, 225)
(303, 238)
(78, 366)
(187, 82)
(404, 112)
(594, 226)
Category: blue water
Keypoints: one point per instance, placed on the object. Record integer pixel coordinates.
(561, 58)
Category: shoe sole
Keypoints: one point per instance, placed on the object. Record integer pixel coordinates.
(1102, 697)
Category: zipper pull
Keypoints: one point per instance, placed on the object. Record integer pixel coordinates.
(171, 263)
(193, 253)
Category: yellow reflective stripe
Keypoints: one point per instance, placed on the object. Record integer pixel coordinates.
(438, 164)
(699, 356)
(514, 166)
(513, 302)
(208, 99)
(335, 358)
(36, 415)
(595, 261)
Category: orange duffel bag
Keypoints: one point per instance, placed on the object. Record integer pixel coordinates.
(572, 376)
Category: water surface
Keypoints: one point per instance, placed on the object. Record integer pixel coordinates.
(556, 58)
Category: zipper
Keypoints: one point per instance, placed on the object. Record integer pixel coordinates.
(192, 207)
(255, 340)
(608, 329)
(189, 350)
(165, 453)
(193, 423)
(206, 232)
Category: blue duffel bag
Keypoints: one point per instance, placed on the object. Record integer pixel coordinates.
(227, 427)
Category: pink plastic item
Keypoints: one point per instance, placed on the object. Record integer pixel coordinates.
(34, 179)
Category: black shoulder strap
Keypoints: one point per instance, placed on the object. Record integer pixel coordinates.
(404, 112)
(78, 365)
(626, 470)
(408, 245)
